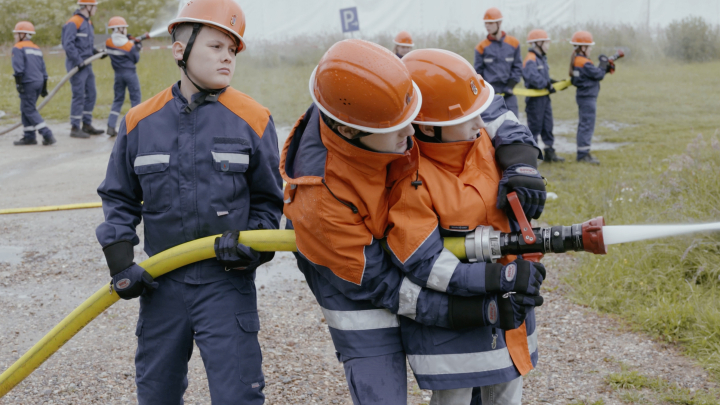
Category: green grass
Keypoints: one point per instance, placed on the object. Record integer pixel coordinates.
(633, 385)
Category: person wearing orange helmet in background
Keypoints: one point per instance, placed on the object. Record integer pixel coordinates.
(124, 55)
(586, 77)
(403, 44)
(452, 191)
(498, 60)
(198, 159)
(536, 75)
(31, 82)
(339, 161)
(78, 42)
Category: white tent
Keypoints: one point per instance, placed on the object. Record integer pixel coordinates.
(280, 19)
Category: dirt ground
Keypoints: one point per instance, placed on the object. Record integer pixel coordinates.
(51, 262)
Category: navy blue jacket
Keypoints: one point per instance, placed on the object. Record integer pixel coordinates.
(585, 76)
(123, 57)
(28, 62)
(499, 61)
(536, 72)
(192, 175)
(77, 40)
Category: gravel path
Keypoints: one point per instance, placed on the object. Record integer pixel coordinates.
(50, 263)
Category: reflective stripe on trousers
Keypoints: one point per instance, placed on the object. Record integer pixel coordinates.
(360, 320)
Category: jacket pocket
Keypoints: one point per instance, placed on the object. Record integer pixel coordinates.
(229, 185)
(249, 347)
(152, 170)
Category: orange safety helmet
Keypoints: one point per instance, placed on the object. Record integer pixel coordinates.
(581, 38)
(117, 22)
(403, 39)
(24, 27)
(454, 92)
(537, 35)
(493, 15)
(364, 86)
(87, 2)
(223, 14)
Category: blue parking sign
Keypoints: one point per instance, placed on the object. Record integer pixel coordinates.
(349, 19)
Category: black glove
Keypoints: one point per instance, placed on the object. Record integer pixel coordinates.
(553, 81)
(138, 45)
(551, 88)
(473, 311)
(128, 279)
(523, 178)
(514, 308)
(510, 87)
(235, 255)
(604, 63)
(520, 276)
(97, 51)
(44, 91)
(19, 85)
(81, 66)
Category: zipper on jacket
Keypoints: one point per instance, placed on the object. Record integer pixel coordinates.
(345, 203)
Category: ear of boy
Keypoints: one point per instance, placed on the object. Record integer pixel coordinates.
(348, 132)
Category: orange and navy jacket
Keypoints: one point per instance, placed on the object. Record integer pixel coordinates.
(457, 193)
(499, 61)
(536, 72)
(585, 76)
(123, 57)
(188, 175)
(77, 40)
(336, 200)
(28, 62)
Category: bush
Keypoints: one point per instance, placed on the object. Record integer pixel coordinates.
(692, 40)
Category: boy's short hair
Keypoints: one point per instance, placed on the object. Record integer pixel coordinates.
(334, 125)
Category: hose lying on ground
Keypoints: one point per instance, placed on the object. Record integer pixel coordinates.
(51, 208)
(54, 91)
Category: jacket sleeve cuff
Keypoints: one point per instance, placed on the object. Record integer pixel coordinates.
(516, 153)
(469, 312)
(119, 256)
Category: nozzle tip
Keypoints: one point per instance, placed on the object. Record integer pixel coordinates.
(592, 236)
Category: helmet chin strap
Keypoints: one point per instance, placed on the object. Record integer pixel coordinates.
(205, 93)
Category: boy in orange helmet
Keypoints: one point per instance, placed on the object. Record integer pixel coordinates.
(403, 44)
(124, 55)
(453, 191)
(197, 159)
(31, 82)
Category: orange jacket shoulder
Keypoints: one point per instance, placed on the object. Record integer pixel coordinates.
(581, 61)
(529, 58)
(482, 45)
(246, 108)
(77, 20)
(26, 44)
(149, 107)
(512, 41)
(109, 43)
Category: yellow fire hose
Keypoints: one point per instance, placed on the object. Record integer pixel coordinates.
(169, 260)
(51, 208)
(54, 91)
(522, 91)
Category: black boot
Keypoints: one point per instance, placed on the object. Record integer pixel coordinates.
(25, 141)
(49, 140)
(111, 131)
(88, 128)
(550, 156)
(75, 132)
(588, 159)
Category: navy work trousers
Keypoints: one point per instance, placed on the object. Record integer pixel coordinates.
(587, 107)
(222, 319)
(377, 380)
(30, 116)
(540, 118)
(83, 96)
(124, 79)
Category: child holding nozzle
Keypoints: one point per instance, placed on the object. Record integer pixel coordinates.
(124, 55)
(198, 159)
(470, 159)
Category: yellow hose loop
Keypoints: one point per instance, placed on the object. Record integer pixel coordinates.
(161, 263)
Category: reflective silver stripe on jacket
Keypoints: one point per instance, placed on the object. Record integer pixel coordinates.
(442, 271)
(80, 34)
(439, 364)
(409, 294)
(114, 52)
(360, 320)
(492, 127)
(151, 160)
(35, 52)
(509, 59)
(240, 158)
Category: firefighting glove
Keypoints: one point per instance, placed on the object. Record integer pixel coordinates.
(514, 308)
(19, 85)
(551, 88)
(529, 185)
(128, 279)
(473, 311)
(96, 51)
(81, 66)
(553, 81)
(138, 45)
(510, 87)
(235, 255)
(44, 91)
(604, 63)
(520, 276)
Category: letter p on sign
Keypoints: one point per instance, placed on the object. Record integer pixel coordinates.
(349, 19)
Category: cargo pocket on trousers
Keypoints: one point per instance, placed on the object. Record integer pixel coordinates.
(249, 348)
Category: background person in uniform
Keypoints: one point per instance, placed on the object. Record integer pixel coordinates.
(497, 59)
(536, 75)
(31, 82)
(586, 77)
(197, 159)
(77, 41)
(403, 44)
(124, 55)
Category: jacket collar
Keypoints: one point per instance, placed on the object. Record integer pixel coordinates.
(451, 156)
(178, 94)
(538, 53)
(502, 37)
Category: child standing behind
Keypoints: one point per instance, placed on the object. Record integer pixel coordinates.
(124, 55)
